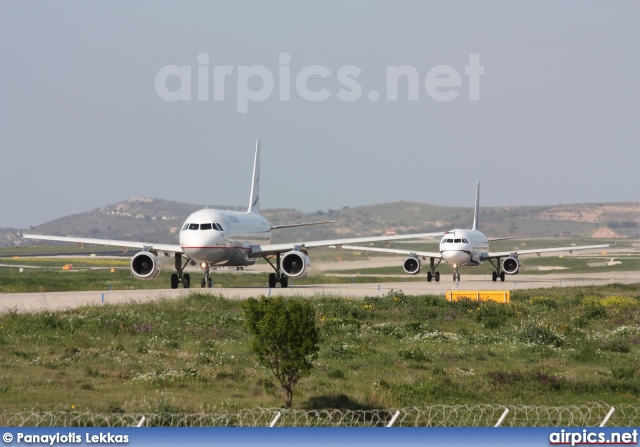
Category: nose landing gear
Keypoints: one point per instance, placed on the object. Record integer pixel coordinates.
(206, 281)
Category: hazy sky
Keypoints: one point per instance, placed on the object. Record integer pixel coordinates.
(553, 118)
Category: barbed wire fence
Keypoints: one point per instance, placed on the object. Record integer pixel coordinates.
(594, 414)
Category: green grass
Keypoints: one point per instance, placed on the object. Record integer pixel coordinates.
(559, 346)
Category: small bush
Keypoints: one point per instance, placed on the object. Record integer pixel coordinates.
(595, 312)
(268, 386)
(616, 346)
(627, 372)
(493, 315)
(543, 302)
(336, 374)
(413, 354)
(540, 335)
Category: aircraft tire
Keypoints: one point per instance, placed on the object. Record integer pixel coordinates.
(272, 280)
(284, 282)
(186, 281)
(494, 276)
(437, 276)
(174, 280)
(429, 276)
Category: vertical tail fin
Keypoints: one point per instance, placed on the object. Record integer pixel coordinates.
(475, 213)
(254, 200)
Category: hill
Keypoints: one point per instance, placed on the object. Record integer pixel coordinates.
(157, 220)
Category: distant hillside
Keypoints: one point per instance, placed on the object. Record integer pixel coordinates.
(157, 220)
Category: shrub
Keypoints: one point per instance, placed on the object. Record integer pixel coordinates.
(626, 372)
(543, 302)
(336, 374)
(539, 335)
(595, 312)
(285, 338)
(413, 354)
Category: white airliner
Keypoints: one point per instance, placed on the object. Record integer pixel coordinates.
(461, 248)
(214, 237)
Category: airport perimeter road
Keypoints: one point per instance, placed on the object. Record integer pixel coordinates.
(29, 302)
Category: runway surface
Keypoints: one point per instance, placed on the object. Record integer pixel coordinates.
(30, 302)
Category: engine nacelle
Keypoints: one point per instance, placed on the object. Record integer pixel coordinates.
(511, 265)
(412, 265)
(145, 265)
(295, 264)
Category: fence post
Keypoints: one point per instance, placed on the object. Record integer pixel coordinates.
(607, 417)
(393, 419)
(141, 421)
(275, 419)
(504, 415)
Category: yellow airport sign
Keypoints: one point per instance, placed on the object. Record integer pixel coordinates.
(499, 296)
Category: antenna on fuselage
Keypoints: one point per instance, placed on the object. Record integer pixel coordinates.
(254, 200)
(475, 213)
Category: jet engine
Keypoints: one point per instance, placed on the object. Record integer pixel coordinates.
(511, 265)
(295, 264)
(412, 265)
(145, 265)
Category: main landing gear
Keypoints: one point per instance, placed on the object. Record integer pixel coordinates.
(278, 276)
(180, 277)
(432, 274)
(498, 273)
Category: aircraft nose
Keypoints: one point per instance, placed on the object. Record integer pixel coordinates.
(455, 257)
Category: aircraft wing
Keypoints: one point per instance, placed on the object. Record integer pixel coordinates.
(168, 248)
(506, 238)
(502, 254)
(271, 249)
(306, 224)
(395, 251)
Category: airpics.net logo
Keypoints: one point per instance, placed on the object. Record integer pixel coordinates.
(314, 83)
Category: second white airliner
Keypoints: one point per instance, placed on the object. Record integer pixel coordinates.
(463, 248)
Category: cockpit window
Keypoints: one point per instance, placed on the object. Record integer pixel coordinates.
(194, 226)
(206, 226)
(457, 241)
(465, 241)
(185, 226)
(217, 226)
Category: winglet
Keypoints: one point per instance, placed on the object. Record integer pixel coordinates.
(475, 213)
(254, 200)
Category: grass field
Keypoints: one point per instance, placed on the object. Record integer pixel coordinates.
(558, 346)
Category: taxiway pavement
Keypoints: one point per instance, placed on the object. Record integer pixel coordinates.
(31, 302)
